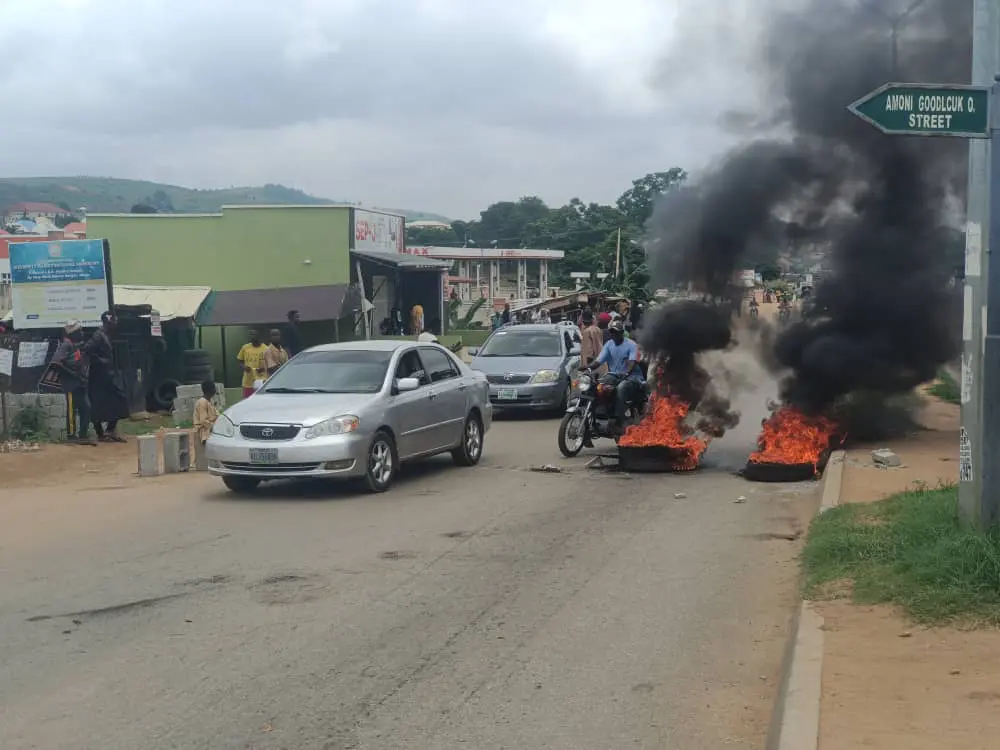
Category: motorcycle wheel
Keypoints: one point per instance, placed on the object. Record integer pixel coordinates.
(567, 446)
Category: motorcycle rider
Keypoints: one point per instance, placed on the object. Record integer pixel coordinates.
(621, 355)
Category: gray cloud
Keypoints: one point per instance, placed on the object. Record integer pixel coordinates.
(443, 105)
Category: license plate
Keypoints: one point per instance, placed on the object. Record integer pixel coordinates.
(507, 394)
(263, 455)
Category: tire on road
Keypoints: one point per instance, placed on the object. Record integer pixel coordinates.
(383, 460)
(471, 448)
(241, 485)
(564, 447)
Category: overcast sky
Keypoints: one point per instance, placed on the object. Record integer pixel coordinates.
(435, 105)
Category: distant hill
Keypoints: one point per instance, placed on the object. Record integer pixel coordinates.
(111, 195)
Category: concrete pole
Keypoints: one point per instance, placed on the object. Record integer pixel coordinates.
(976, 507)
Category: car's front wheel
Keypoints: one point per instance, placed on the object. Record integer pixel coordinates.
(382, 461)
(470, 450)
(241, 485)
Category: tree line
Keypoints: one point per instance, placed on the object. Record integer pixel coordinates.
(586, 232)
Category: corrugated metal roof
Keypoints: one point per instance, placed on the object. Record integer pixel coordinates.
(402, 260)
(255, 307)
(170, 301)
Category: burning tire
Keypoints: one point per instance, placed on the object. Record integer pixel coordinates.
(650, 459)
(766, 471)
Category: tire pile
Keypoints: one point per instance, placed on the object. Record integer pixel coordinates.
(197, 367)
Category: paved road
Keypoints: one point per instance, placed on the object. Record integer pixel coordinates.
(491, 607)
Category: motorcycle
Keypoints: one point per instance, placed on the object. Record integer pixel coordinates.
(591, 414)
(785, 313)
(754, 312)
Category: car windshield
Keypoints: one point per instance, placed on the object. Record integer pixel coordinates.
(340, 371)
(514, 343)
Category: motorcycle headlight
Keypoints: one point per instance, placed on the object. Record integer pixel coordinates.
(545, 376)
(584, 382)
(335, 426)
(224, 427)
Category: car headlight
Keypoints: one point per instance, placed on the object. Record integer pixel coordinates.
(584, 382)
(545, 376)
(335, 426)
(224, 427)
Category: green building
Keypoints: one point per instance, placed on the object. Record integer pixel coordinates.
(331, 263)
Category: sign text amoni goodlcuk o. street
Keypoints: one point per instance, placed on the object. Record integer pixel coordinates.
(927, 109)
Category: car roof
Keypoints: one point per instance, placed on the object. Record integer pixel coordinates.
(532, 327)
(372, 345)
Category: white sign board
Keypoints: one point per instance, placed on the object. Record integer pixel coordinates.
(32, 354)
(382, 233)
(6, 361)
(155, 327)
(54, 282)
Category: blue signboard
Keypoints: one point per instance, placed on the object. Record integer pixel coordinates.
(55, 282)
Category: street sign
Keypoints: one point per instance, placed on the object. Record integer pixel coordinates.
(927, 109)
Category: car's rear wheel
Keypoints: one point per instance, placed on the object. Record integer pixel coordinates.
(241, 485)
(471, 448)
(382, 462)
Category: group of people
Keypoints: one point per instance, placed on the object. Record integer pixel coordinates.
(87, 367)
(259, 360)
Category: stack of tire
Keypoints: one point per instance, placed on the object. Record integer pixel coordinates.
(197, 367)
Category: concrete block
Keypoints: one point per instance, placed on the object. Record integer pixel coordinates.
(885, 457)
(176, 452)
(149, 455)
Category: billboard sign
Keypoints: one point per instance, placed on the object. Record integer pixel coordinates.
(379, 232)
(53, 282)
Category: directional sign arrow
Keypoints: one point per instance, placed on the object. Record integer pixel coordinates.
(927, 109)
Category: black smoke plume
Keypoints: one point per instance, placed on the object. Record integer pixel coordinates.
(874, 206)
(673, 336)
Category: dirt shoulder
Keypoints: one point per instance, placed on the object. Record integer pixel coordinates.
(887, 683)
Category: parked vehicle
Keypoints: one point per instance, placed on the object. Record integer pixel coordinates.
(591, 415)
(531, 366)
(353, 411)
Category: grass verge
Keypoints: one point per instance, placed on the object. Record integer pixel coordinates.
(946, 388)
(910, 551)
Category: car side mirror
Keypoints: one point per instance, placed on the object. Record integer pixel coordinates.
(405, 385)
(472, 351)
(574, 351)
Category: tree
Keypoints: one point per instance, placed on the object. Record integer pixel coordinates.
(504, 223)
(432, 236)
(637, 202)
(142, 208)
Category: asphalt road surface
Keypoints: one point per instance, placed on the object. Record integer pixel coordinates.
(491, 607)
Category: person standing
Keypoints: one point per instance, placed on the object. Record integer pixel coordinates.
(291, 338)
(505, 315)
(205, 412)
(251, 356)
(417, 319)
(108, 402)
(74, 366)
(276, 354)
(592, 340)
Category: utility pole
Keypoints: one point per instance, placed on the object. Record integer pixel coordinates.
(895, 21)
(979, 489)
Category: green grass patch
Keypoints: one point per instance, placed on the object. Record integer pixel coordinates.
(946, 388)
(911, 551)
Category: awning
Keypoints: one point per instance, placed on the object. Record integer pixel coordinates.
(403, 261)
(255, 307)
(169, 301)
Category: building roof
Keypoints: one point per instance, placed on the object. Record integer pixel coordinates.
(76, 227)
(38, 208)
(260, 307)
(169, 301)
(402, 260)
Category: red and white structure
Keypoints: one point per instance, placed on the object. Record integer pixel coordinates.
(487, 272)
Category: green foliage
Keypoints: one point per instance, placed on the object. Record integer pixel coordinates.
(911, 551)
(637, 202)
(463, 321)
(946, 389)
(29, 424)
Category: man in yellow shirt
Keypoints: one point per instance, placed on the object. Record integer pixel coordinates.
(252, 357)
(417, 320)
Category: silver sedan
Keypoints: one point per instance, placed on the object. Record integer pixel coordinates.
(353, 411)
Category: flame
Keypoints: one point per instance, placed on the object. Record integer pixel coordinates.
(789, 436)
(664, 425)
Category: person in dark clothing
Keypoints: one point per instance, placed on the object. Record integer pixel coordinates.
(74, 363)
(108, 401)
(506, 314)
(290, 337)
